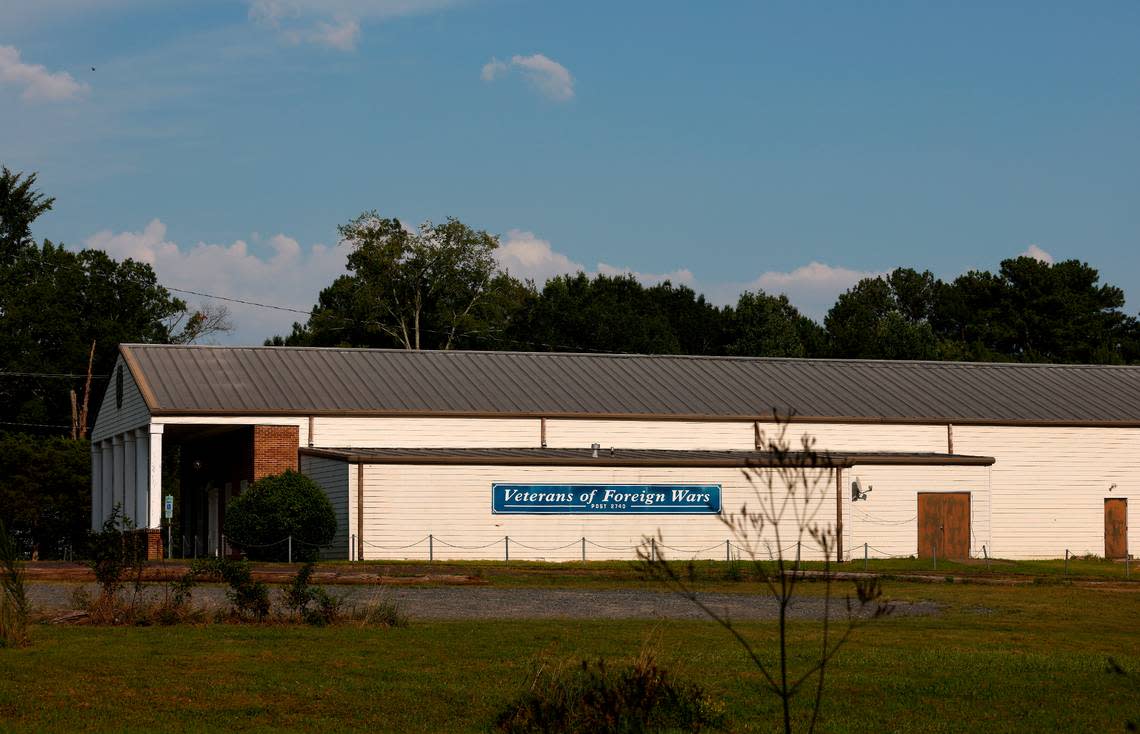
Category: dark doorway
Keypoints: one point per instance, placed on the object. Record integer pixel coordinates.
(1115, 528)
(944, 524)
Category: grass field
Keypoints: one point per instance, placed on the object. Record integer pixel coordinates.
(1026, 658)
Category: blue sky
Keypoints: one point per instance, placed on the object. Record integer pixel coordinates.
(792, 147)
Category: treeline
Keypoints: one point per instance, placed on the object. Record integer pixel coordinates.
(63, 314)
(440, 288)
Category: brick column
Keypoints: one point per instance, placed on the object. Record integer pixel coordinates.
(274, 450)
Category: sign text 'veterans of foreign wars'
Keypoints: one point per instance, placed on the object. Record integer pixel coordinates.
(577, 499)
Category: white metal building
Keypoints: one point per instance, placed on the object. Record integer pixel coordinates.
(485, 454)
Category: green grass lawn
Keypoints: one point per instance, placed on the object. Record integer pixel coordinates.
(1031, 658)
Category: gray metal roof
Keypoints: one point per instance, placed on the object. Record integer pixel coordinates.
(640, 457)
(208, 380)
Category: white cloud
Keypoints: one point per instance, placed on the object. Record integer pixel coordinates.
(37, 83)
(342, 35)
(682, 276)
(550, 78)
(287, 274)
(812, 288)
(334, 23)
(492, 69)
(1037, 253)
(525, 255)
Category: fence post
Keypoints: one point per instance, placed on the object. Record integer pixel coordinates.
(583, 548)
(352, 552)
(506, 547)
(728, 550)
(934, 549)
(797, 555)
(222, 546)
(864, 556)
(1127, 566)
(1066, 561)
(290, 549)
(431, 547)
(653, 549)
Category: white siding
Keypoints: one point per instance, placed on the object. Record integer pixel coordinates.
(332, 476)
(403, 504)
(740, 435)
(863, 436)
(565, 433)
(887, 521)
(111, 419)
(1049, 486)
(240, 420)
(425, 432)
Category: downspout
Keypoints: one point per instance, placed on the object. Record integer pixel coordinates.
(838, 514)
(360, 511)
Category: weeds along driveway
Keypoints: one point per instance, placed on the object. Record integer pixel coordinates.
(469, 602)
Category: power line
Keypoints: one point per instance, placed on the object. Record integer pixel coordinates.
(237, 300)
(34, 425)
(60, 375)
(355, 322)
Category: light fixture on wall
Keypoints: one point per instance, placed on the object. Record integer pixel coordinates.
(857, 491)
(1112, 488)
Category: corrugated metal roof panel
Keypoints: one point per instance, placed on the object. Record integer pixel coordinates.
(275, 380)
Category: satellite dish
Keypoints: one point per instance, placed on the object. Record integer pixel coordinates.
(857, 491)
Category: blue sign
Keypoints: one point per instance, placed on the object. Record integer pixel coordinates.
(585, 499)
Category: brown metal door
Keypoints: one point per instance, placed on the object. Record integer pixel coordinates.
(1115, 528)
(944, 524)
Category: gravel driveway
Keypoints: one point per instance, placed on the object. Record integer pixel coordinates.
(466, 602)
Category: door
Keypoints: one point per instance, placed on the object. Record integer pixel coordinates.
(944, 524)
(1115, 528)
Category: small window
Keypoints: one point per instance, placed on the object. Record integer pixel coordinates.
(119, 388)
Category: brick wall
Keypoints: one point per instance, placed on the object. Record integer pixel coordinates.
(154, 549)
(274, 450)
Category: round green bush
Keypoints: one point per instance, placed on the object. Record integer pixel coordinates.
(276, 507)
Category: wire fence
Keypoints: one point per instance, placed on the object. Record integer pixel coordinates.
(649, 549)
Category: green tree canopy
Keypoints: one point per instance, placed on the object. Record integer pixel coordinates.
(45, 492)
(886, 317)
(1034, 311)
(770, 326)
(20, 205)
(54, 303)
(432, 288)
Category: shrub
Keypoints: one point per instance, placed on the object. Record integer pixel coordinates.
(275, 508)
(250, 598)
(594, 698)
(311, 604)
(14, 607)
(113, 552)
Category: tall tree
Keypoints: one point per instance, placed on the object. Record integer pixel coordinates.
(605, 313)
(429, 288)
(54, 303)
(770, 326)
(20, 205)
(1034, 311)
(887, 317)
